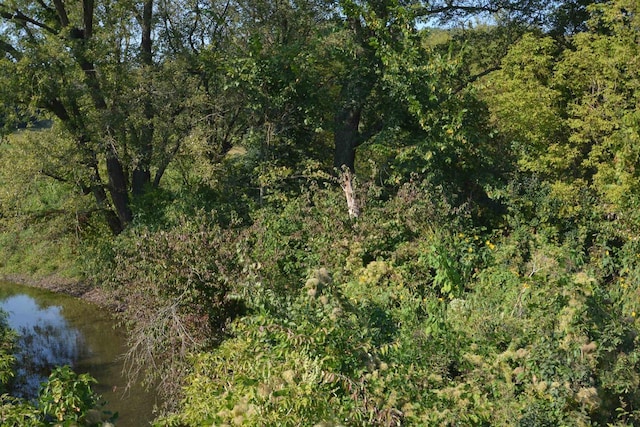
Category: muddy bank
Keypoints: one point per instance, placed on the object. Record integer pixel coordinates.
(65, 286)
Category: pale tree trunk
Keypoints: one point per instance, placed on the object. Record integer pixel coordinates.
(348, 188)
(346, 140)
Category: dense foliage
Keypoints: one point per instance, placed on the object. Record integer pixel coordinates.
(490, 274)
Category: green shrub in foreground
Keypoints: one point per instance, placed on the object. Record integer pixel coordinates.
(66, 399)
(336, 358)
(532, 339)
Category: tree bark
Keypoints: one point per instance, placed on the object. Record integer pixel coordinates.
(141, 176)
(346, 138)
(118, 189)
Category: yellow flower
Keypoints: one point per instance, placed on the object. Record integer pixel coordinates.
(633, 314)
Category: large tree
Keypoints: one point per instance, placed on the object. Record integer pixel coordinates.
(93, 67)
(382, 32)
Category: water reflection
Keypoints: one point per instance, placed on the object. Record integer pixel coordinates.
(59, 330)
(45, 340)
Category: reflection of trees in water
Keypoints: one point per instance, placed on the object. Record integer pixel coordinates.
(97, 350)
(47, 342)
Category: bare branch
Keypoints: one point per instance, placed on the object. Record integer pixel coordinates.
(51, 174)
(450, 8)
(475, 77)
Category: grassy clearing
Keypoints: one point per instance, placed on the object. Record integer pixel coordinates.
(38, 214)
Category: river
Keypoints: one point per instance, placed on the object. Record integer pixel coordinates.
(56, 330)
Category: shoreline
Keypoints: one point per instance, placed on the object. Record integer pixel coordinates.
(61, 285)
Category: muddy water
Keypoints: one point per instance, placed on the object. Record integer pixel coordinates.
(58, 330)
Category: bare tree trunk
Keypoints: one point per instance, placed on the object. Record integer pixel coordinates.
(346, 140)
(348, 188)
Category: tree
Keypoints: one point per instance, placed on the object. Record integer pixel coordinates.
(386, 28)
(393, 80)
(527, 110)
(603, 88)
(570, 17)
(92, 65)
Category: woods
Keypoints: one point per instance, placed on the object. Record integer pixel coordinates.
(483, 268)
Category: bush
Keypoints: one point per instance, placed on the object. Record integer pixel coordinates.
(174, 288)
(66, 399)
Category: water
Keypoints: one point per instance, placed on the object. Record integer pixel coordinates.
(59, 330)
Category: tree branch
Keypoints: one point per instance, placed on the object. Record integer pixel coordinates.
(165, 163)
(87, 17)
(19, 16)
(62, 13)
(450, 8)
(475, 77)
(146, 42)
(58, 109)
(54, 176)
(17, 55)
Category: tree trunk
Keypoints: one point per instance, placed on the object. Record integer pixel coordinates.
(97, 189)
(346, 138)
(141, 176)
(118, 189)
(348, 188)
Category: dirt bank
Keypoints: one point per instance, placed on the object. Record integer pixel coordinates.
(64, 286)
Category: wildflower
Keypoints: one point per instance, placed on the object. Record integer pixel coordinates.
(490, 245)
(623, 283)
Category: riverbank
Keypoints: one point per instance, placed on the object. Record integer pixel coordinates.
(66, 286)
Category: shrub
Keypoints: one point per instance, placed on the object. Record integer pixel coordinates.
(174, 287)
(66, 399)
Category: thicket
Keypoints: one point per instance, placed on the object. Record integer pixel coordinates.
(492, 276)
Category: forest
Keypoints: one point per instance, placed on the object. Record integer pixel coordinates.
(334, 212)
